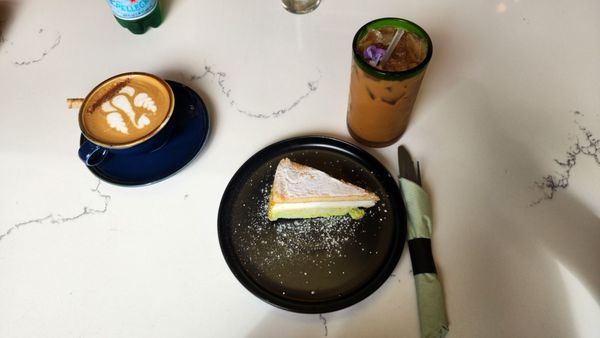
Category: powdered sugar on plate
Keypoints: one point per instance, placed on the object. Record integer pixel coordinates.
(315, 241)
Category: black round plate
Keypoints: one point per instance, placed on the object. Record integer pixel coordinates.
(311, 265)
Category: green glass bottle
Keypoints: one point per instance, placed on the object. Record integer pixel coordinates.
(136, 15)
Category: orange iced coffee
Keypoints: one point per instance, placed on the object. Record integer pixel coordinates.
(389, 60)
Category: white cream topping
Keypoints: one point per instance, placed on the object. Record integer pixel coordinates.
(322, 205)
(294, 180)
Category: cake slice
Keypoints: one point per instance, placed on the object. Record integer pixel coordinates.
(300, 191)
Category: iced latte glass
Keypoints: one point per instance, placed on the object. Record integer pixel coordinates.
(384, 86)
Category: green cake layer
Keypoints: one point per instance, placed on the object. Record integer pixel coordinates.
(355, 213)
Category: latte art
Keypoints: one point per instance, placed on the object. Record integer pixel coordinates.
(121, 105)
(126, 109)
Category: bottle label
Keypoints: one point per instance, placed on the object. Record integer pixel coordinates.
(132, 9)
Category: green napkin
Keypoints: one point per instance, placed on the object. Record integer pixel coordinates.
(430, 296)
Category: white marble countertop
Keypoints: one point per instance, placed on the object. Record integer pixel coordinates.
(506, 127)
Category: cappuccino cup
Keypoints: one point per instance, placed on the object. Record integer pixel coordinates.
(126, 114)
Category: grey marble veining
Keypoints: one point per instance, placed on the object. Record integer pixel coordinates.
(45, 38)
(2, 39)
(221, 78)
(54, 218)
(324, 320)
(586, 146)
(394, 276)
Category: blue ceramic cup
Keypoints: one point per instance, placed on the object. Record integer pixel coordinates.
(126, 114)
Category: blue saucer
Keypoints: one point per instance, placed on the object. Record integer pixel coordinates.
(190, 131)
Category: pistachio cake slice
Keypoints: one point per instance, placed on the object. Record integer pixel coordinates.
(300, 191)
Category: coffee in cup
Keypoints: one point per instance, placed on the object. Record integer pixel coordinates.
(127, 113)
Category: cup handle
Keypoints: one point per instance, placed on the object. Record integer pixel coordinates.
(92, 154)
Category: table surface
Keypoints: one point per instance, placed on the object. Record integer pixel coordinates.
(506, 128)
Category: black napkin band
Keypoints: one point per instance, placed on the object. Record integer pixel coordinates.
(421, 256)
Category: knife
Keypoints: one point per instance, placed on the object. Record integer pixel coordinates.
(433, 321)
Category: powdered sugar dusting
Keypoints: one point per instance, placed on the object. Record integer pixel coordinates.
(299, 238)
